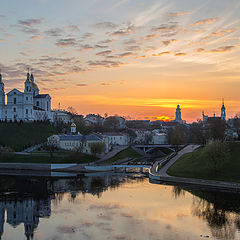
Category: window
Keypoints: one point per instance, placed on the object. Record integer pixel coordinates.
(47, 106)
(31, 111)
(26, 98)
(26, 111)
(37, 103)
(27, 88)
(14, 93)
(14, 109)
(15, 100)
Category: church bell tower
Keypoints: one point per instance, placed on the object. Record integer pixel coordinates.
(2, 97)
(223, 112)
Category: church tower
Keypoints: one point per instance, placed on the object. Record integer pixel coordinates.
(223, 112)
(178, 115)
(28, 99)
(2, 97)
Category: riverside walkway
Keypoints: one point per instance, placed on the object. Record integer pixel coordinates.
(161, 175)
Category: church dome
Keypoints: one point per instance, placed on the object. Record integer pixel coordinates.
(35, 86)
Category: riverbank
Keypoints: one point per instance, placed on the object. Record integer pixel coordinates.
(195, 165)
(163, 176)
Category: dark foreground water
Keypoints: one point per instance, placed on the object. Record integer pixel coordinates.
(113, 207)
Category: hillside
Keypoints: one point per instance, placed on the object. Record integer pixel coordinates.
(19, 136)
(194, 165)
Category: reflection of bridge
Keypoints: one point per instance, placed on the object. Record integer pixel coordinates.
(115, 167)
(149, 147)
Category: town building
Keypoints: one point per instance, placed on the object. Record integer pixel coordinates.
(222, 116)
(115, 139)
(25, 106)
(74, 142)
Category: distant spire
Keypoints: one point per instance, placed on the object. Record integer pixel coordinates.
(28, 75)
(31, 77)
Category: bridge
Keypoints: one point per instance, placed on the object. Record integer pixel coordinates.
(146, 148)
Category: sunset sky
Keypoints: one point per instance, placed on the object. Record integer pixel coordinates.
(135, 58)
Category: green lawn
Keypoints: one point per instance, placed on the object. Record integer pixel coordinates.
(194, 165)
(18, 136)
(57, 158)
(127, 153)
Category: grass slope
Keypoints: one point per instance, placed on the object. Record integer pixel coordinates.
(193, 165)
(127, 153)
(18, 136)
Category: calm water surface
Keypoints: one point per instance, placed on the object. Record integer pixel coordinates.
(113, 207)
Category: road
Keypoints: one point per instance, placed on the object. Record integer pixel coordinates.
(163, 171)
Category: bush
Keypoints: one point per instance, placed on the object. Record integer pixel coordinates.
(216, 153)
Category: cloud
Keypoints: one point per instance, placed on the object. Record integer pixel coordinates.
(105, 41)
(100, 46)
(66, 42)
(82, 85)
(130, 41)
(160, 54)
(36, 37)
(177, 14)
(124, 31)
(125, 54)
(106, 84)
(105, 63)
(86, 47)
(73, 28)
(104, 53)
(105, 25)
(54, 32)
(167, 42)
(87, 35)
(205, 21)
(199, 50)
(133, 48)
(150, 48)
(142, 56)
(166, 27)
(30, 30)
(150, 37)
(222, 33)
(180, 54)
(30, 22)
(222, 49)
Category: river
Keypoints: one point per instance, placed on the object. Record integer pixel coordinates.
(113, 206)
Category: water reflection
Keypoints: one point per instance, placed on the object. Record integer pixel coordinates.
(113, 206)
(220, 210)
(27, 199)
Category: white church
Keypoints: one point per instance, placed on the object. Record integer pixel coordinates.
(25, 106)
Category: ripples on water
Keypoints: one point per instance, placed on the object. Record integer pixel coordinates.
(121, 207)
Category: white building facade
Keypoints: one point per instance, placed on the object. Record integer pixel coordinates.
(25, 106)
(74, 142)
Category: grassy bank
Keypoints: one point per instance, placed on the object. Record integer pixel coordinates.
(127, 153)
(20, 136)
(46, 159)
(194, 165)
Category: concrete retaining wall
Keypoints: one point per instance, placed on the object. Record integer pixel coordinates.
(35, 166)
(200, 182)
